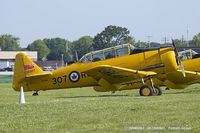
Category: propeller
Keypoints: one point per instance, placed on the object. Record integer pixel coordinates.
(178, 60)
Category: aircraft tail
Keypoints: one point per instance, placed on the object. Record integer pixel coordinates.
(24, 67)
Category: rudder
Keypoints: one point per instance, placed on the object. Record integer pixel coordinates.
(24, 67)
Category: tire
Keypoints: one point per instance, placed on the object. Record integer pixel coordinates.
(146, 90)
(157, 91)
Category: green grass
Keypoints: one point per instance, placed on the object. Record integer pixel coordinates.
(84, 110)
(6, 78)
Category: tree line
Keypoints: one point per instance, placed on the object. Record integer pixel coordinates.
(55, 48)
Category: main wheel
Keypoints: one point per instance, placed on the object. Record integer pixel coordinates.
(146, 90)
(157, 90)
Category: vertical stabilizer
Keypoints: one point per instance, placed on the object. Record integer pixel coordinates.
(24, 67)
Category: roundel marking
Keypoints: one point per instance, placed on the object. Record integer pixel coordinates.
(74, 76)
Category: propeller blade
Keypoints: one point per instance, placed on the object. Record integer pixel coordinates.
(179, 62)
(176, 52)
(181, 67)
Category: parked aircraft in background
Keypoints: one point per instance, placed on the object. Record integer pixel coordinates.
(112, 69)
(190, 61)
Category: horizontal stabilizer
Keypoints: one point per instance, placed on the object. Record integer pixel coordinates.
(38, 75)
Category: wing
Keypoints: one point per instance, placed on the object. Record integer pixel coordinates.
(191, 77)
(176, 80)
(117, 75)
(191, 73)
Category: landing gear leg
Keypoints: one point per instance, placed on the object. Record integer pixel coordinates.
(156, 89)
(149, 90)
(145, 90)
(35, 93)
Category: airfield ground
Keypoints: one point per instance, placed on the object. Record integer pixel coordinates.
(84, 110)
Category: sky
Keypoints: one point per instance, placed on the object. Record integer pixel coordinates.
(70, 19)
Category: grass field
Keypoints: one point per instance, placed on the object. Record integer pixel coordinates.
(6, 78)
(84, 110)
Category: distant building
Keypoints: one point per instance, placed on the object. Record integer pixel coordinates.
(7, 58)
(54, 64)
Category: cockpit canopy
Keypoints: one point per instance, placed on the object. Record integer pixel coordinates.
(112, 52)
(188, 54)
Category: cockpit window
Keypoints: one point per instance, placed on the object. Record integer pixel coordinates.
(109, 54)
(97, 56)
(187, 54)
(86, 59)
(122, 51)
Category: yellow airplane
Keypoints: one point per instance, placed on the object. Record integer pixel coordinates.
(112, 69)
(192, 75)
